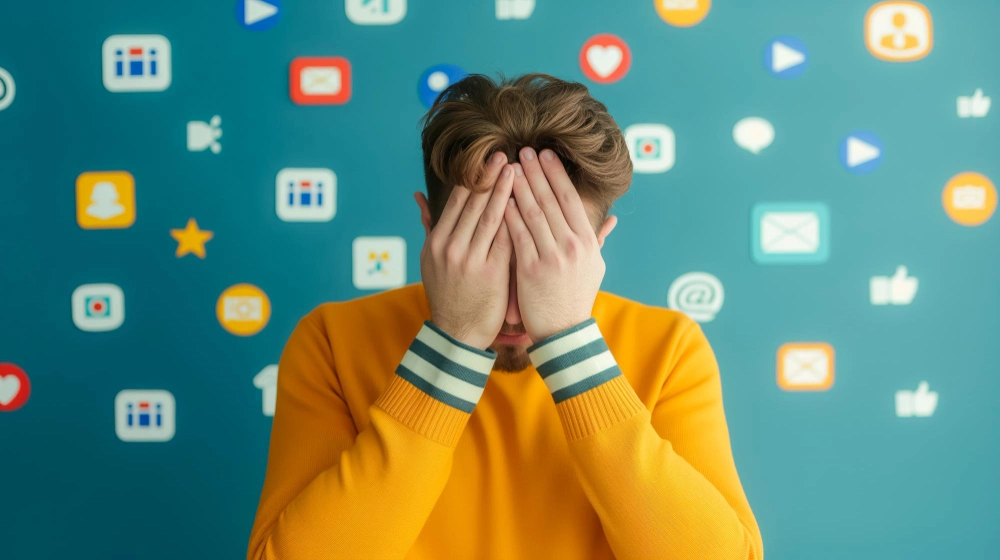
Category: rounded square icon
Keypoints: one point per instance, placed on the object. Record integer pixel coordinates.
(375, 12)
(105, 200)
(379, 262)
(305, 194)
(805, 366)
(790, 233)
(98, 307)
(320, 80)
(651, 147)
(136, 63)
(899, 31)
(145, 415)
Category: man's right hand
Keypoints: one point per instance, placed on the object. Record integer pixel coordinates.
(465, 261)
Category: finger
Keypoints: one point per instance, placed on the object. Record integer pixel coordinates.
(565, 192)
(521, 239)
(503, 246)
(476, 204)
(543, 194)
(452, 210)
(532, 214)
(492, 217)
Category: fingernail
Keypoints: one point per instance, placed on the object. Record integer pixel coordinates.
(498, 158)
(528, 154)
(518, 170)
(547, 155)
(506, 171)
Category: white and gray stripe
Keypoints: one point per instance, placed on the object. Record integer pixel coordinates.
(447, 369)
(574, 361)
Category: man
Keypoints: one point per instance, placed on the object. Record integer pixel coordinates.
(505, 407)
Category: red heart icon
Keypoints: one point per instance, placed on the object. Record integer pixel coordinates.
(15, 387)
(605, 58)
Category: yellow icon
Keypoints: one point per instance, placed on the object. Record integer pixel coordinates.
(899, 31)
(243, 309)
(969, 198)
(105, 200)
(191, 239)
(377, 261)
(805, 366)
(683, 13)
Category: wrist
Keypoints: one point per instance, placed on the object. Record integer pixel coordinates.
(462, 335)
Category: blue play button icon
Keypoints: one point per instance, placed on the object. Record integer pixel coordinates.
(861, 152)
(258, 15)
(786, 57)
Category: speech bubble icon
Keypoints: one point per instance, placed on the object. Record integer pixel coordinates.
(753, 134)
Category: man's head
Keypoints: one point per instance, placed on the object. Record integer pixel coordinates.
(476, 117)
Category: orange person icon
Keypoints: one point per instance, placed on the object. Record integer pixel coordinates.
(899, 31)
(899, 39)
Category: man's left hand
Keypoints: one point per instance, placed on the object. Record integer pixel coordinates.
(559, 264)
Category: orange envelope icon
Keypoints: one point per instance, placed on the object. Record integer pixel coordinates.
(805, 366)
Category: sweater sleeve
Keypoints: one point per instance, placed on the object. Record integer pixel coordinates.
(333, 492)
(663, 483)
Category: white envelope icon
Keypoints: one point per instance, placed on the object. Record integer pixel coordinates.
(806, 367)
(789, 233)
(320, 80)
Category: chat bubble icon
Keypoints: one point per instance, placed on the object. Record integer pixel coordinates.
(753, 134)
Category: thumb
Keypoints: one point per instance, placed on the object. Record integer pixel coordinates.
(978, 94)
(900, 273)
(503, 246)
(922, 388)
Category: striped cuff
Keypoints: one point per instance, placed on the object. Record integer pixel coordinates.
(446, 369)
(574, 360)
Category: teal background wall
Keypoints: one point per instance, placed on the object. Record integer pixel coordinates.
(830, 474)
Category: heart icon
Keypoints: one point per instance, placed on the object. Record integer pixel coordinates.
(10, 386)
(604, 60)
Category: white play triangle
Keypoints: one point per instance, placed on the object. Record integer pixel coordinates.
(784, 57)
(859, 152)
(256, 10)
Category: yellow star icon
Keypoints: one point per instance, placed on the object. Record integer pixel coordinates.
(191, 239)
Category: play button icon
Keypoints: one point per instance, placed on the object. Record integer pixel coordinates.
(786, 57)
(861, 152)
(258, 15)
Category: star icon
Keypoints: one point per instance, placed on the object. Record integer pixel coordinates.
(191, 239)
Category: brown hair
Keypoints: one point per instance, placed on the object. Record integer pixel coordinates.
(476, 116)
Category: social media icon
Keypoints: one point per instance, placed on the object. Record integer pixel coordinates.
(753, 134)
(375, 12)
(191, 239)
(920, 403)
(7, 89)
(786, 57)
(243, 309)
(514, 9)
(976, 106)
(861, 152)
(306, 194)
(435, 79)
(267, 382)
(790, 233)
(805, 366)
(203, 136)
(136, 63)
(379, 262)
(258, 15)
(15, 387)
(98, 307)
(605, 58)
(699, 295)
(320, 80)
(683, 13)
(145, 415)
(899, 31)
(105, 200)
(651, 147)
(969, 199)
(898, 289)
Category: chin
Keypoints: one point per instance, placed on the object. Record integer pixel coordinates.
(511, 359)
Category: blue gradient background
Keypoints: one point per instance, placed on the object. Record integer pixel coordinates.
(830, 475)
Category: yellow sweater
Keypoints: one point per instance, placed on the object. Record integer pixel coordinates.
(392, 440)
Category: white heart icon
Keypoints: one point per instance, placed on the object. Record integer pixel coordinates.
(604, 60)
(10, 386)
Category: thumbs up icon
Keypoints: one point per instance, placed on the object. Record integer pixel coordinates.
(920, 403)
(976, 106)
(899, 289)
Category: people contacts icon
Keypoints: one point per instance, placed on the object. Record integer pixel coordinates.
(899, 31)
(104, 203)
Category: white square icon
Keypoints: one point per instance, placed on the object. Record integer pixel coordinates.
(379, 262)
(136, 63)
(306, 194)
(651, 147)
(514, 9)
(98, 307)
(375, 12)
(145, 415)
